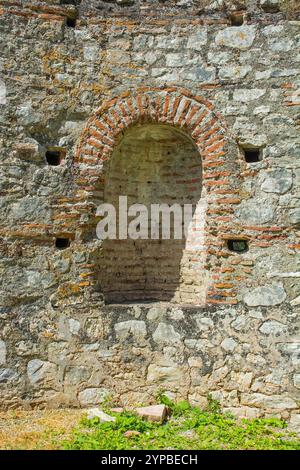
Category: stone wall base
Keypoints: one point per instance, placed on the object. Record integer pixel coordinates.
(246, 358)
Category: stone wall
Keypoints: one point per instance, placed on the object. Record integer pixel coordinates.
(73, 87)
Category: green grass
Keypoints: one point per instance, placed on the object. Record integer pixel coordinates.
(208, 429)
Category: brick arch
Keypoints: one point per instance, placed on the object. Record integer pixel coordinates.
(174, 106)
(193, 115)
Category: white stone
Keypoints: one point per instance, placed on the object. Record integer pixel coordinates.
(219, 57)
(265, 296)
(295, 301)
(264, 75)
(296, 380)
(280, 45)
(229, 344)
(253, 212)
(164, 373)
(2, 353)
(74, 326)
(242, 412)
(197, 40)
(92, 396)
(261, 110)
(103, 417)
(294, 424)
(272, 327)
(131, 327)
(166, 334)
(151, 57)
(90, 53)
(157, 413)
(204, 323)
(2, 93)
(277, 402)
(272, 30)
(38, 371)
(240, 37)
(294, 216)
(242, 380)
(233, 72)
(239, 323)
(279, 181)
(284, 275)
(175, 59)
(244, 95)
(154, 313)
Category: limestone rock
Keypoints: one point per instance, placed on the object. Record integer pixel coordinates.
(265, 296)
(296, 380)
(245, 95)
(276, 402)
(256, 212)
(229, 344)
(294, 216)
(2, 93)
(295, 301)
(278, 181)
(134, 328)
(153, 413)
(243, 412)
(39, 371)
(241, 37)
(166, 334)
(103, 417)
(131, 433)
(294, 424)
(92, 396)
(2, 353)
(198, 40)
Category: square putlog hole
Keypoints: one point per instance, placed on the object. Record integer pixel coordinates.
(71, 21)
(252, 155)
(55, 156)
(62, 243)
(236, 19)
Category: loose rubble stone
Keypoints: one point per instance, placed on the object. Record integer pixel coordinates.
(153, 413)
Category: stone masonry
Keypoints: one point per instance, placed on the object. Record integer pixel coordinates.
(182, 101)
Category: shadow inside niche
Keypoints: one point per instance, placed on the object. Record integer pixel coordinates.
(154, 164)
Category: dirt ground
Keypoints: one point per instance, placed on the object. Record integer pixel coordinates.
(36, 429)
